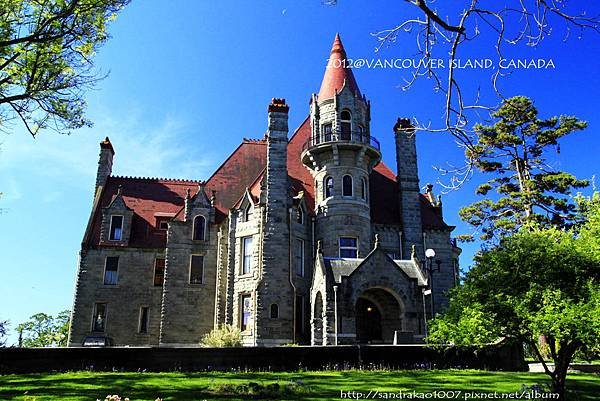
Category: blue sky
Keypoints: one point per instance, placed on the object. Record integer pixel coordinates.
(187, 82)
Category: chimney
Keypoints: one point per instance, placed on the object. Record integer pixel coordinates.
(105, 163)
(408, 187)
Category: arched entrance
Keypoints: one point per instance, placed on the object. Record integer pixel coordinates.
(378, 313)
(317, 320)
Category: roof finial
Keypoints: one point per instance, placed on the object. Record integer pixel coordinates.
(376, 240)
(413, 252)
(320, 246)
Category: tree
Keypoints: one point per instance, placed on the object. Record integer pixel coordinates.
(3, 332)
(43, 330)
(444, 31)
(537, 282)
(46, 60)
(514, 152)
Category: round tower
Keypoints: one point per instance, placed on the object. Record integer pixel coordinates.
(340, 154)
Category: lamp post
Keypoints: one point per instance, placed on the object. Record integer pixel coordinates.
(429, 255)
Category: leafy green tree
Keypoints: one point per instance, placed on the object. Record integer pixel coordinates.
(47, 49)
(3, 332)
(43, 330)
(540, 281)
(513, 152)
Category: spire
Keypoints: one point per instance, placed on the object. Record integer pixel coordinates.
(338, 72)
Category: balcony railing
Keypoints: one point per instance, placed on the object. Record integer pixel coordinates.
(349, 137)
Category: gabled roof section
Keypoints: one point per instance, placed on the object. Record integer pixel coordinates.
(300, 177)
(338, 73)
(147, 197)
(235, 174)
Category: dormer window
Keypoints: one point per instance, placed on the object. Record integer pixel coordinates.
(328, 187)
(199, 228)
(116, 228)
(346, 125)
(347, 185)
(248, 213)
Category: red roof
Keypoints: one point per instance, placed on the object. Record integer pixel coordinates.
(151, 197)
(338, 72)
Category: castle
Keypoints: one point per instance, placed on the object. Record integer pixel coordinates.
(310, 239)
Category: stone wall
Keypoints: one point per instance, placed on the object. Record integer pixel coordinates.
(134, 289)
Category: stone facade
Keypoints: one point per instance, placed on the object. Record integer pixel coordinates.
(306, 239)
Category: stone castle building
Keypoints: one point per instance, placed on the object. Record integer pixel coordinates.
(306, 238)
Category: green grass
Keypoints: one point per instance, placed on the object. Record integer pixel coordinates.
(88, 386)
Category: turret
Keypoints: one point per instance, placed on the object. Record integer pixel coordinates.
(341, 154)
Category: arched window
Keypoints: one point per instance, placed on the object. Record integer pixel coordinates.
(274, 311)
(364, 190)
(199, 228)
(300, 215)
(346, 125)
(248, 213)
(347, 185)
(328, 187)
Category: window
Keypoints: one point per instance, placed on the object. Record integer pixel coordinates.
(347, 185)
(364, 190)
(328, 187)
(274, 311)
(299, 257)
(116, 228)
(143, 320)
(326, 132)
(246, 255)
(159, 272)
(245, 311)
(248, 213)
(300, 215)
(300, 315)
(199, 228)
(99, 320)
(196, 269)
(162, 224)
(348, 247)
(110, 270)
(346, 125)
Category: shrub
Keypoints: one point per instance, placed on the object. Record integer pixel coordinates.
(224, 336)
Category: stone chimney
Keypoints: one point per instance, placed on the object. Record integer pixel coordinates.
(105, 163)
(408, 187)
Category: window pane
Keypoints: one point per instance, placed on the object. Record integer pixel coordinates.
(159, 272)
(99, 317)
(274, 311)
(347, 185)
(116, 228)
(110, 270)
(348, 253)
(144, 319)
(246, 312)
(247, 255)
(348, 242)
(199, 224)
(346, 127)
(299, 257)
(196, 269)
(328, 186)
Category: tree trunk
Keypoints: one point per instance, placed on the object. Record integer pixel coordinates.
(559, 381)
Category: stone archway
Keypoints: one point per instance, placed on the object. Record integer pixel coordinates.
(379, 313)
(317, 320)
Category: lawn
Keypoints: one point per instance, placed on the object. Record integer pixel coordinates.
(89, 386)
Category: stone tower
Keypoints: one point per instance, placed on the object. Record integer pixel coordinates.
(274, 288)
(340, 155)
(408, 187)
